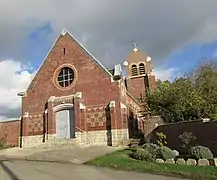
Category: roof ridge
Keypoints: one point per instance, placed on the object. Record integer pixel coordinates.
(64, 31)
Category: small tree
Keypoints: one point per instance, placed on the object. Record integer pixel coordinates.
(3, 141)
(190, 97)
(161, 139)
(187, 139)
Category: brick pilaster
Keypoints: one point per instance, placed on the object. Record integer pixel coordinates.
(50, 120)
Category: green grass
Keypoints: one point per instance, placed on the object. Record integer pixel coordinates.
(120, 160)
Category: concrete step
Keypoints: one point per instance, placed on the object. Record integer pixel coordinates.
(61, 143)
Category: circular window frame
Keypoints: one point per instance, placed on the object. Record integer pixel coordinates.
(56, 74)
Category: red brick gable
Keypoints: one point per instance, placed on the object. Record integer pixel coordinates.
(91, 78)
(64, 41)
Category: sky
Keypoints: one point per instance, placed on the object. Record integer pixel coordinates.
(176, 34)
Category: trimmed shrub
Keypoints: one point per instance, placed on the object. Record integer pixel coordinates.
(152, 148)
(165, 153)
(200, 152)
(143, 154)
(134, 143)
(3, 143)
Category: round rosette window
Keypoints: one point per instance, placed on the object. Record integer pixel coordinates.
(65, 77)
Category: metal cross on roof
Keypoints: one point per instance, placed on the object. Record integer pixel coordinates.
(135, 45)
(135, 49)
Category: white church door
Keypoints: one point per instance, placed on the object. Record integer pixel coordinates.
(65, 124)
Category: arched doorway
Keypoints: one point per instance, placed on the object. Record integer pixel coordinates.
(65, 121)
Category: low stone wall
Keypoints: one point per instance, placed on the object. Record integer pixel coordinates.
(193, 162)
(100, 138)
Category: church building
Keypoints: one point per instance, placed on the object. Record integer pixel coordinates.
(74, 97)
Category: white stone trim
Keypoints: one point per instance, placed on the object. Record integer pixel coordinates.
(82, 106)
(62, 106)
(26, 114)
(123, 106)
(78, 95)
(63, 31)
(112, 104)
(51, 99)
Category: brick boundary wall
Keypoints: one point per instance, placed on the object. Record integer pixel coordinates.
(10, 130)
(151, 123)
(205, 132)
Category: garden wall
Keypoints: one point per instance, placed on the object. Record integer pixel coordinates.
(151, 123)
(205, 133)
(10, 131)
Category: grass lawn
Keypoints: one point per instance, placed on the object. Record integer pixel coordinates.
(120, 160)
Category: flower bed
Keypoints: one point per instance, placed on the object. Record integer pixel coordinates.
(198, 155)
(193, 162)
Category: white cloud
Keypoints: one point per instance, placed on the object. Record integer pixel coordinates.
(14, 78)
(160, 28)
(107, 29)
(166, 74)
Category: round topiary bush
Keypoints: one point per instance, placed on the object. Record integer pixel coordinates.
(165, 153)
(152, 148)
(200, 152)
(143, 154)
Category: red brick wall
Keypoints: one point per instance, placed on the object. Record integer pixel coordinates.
(205, 133)
(152, 82)
(10, 130)
(136, 86)
(92, 80)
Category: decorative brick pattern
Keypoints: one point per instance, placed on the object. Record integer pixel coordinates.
(132, 104)
(96, 117)
(35, 123)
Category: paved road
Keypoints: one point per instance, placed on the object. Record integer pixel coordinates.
(65, 154)
(23, 170)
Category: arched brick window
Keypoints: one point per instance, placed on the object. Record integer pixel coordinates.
(134, 70)
(141, 68)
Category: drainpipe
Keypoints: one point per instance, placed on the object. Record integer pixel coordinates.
(21, 130)
(21, 94)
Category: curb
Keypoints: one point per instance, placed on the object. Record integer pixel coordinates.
(39, 160)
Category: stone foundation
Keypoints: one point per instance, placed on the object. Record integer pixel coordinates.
(99, 138)
(29, 141)
(118, 135)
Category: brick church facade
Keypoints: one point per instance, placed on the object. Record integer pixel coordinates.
(73, 96)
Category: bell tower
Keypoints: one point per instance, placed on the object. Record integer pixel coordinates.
(139, 74)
